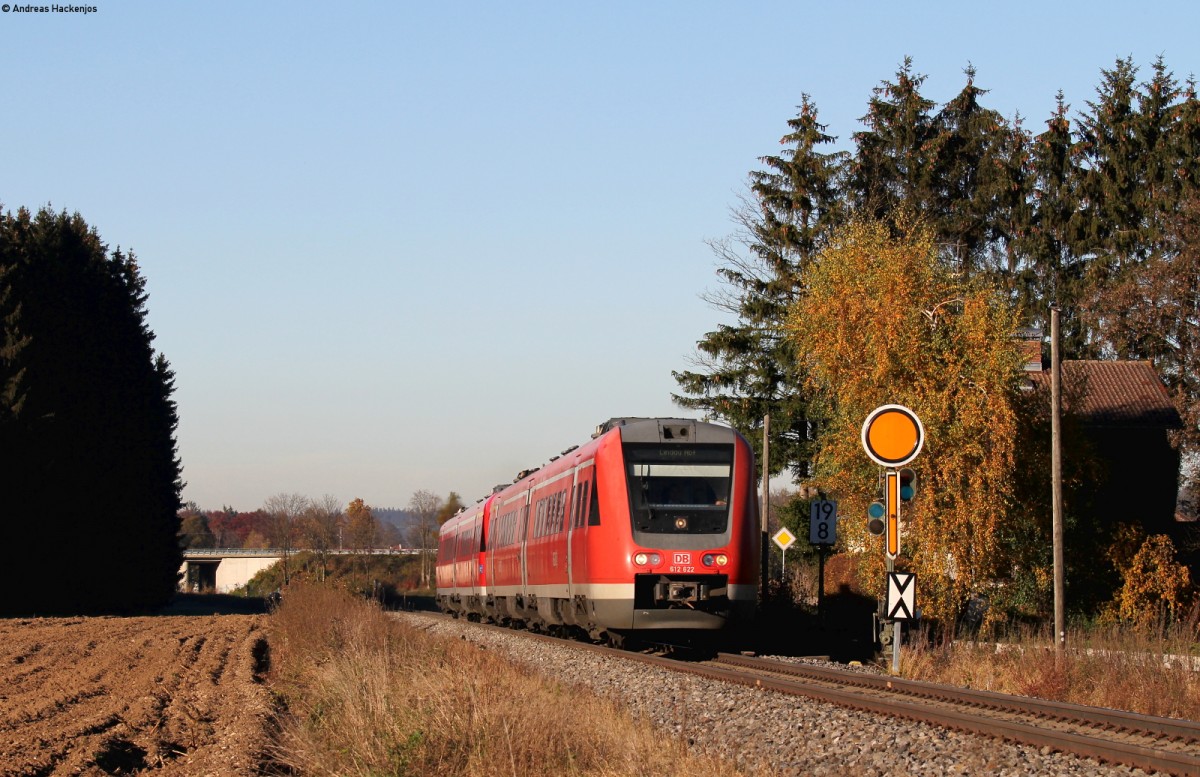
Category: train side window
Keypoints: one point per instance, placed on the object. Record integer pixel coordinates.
(594, 504)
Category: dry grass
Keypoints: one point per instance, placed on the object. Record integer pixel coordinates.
(367, 695)
(1150, 672)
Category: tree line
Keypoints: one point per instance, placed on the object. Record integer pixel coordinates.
(900, 272)
(91, 477)
(292, 522)
(1096, 214)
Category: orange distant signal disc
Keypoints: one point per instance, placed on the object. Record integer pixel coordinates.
(892, 435)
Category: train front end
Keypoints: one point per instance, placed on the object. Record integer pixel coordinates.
(684, 501)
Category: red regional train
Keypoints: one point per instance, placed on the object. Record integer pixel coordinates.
(650, 529)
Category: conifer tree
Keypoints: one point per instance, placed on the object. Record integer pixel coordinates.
(1054, 267)
(100, 477)
(1014, 209)
(1185, 139)
(1114, 211)
(968, 176)
(749, 369)
(892, 166)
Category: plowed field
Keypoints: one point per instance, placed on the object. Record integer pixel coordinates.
(169, 695)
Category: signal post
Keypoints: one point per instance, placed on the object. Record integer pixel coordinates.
(892, 436)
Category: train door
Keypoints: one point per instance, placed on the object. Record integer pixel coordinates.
(525, 535)
(577, 541)
(487, 561)
(572, 509)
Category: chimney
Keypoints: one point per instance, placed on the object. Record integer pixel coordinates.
(1031, 348)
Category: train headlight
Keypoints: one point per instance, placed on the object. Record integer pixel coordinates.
(708, 559)
(719, 559)
(722, 559)
(647, 559)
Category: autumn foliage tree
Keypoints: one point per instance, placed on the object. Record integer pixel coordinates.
(1155, 586)
(361, 526)
(450, 508)
(884, 320)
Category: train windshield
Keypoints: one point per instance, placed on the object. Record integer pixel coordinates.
(679, 489)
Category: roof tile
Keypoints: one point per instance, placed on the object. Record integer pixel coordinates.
(1125, 393)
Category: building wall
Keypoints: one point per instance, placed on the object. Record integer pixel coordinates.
(233, 572)
(1140, 479)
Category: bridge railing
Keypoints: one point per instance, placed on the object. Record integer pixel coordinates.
(261, 552)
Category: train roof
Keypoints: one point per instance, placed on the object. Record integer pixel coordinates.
(633, 429)
(667, 430)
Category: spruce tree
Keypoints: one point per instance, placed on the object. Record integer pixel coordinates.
(892, 166)
(749, 369)
(100, 472)
(1054, 270)
(1114, 211)
(1013, 213)
(968, 177)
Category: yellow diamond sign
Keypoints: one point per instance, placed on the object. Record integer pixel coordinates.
(784, 538)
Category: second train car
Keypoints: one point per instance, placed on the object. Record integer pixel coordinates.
(650, 530)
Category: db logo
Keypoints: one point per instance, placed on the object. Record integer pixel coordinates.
(681, 558)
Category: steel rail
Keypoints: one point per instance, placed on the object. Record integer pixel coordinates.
(1100, 717)
(890, 701)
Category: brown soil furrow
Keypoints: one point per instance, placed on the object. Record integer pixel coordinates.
(118, 695)
(29, 711)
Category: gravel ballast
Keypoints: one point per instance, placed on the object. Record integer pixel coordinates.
(789, 735)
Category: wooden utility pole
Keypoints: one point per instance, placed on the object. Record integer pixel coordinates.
(765, 512)
(1060, 629)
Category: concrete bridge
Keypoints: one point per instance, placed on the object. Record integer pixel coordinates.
(224, 569)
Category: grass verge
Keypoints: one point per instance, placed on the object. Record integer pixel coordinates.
(363, 694)
(1152, 672)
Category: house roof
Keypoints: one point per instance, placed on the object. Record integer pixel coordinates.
(1117, 393)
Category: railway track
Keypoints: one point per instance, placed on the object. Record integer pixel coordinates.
(1150, 743)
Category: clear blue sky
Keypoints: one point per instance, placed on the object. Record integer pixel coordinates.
(394, 246)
